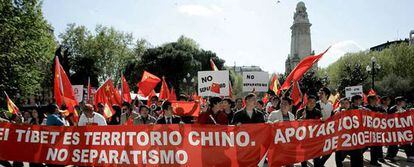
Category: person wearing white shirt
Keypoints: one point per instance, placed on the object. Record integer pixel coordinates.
(283, 114)
(325, 105)
(89, 117)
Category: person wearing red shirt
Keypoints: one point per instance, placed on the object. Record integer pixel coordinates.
(214, 113)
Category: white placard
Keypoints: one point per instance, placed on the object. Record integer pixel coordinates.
(206, 80)
(78, 90)
(353, 90)
(257, 81)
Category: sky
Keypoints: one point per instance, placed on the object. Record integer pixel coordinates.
(244, 32)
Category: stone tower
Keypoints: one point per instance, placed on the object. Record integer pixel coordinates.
(300, 45)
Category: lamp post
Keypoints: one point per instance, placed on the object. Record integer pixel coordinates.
(373, 70)
(188, 81)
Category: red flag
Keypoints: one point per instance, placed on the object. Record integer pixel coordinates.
(304, 101)
(215, 87)
(274, 84)
(88, 99)
(336, 104)
(303, 66)
(265, 98)
(63, 90)
(126, 95)
(148, 83)
(12, 108)
(213, 65)
(372, 92)
(296, 94)
(164, 92)
(152, 94)
(186, 108)
(107, 95)
(172, 96)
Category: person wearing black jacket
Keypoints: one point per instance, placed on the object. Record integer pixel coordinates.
(168, 117)
(375, 151)
(357, 158)
(310, 112)
(408, 148)
(249, 114)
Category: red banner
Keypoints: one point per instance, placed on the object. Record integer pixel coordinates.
(354, 129)
(203, 145)
(152, 145)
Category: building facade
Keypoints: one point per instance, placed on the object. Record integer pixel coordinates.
(301, 45)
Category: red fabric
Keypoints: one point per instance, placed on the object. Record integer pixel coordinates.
(336, 104)
(13, 109)
(274, 84)
(107, 94)
(207, 118)
(172, 95)
(148, 83)
(286, 142)
(126, 95)
(197, 151)
(152, 94)
(186, 108)
(296, 95)
(372, 92)
(164, 92)
(304, 101)
(300, 69)
(213, 65)
(215, 87)
(265, 99)
(62, 89)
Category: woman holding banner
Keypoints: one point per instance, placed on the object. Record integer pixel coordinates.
(214, 114)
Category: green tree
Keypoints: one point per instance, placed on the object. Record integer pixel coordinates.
(26, 47)
(397, 62)
(99, 55)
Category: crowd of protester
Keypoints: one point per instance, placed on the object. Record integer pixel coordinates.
(226, 111)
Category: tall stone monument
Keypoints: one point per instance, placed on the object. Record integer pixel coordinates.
(300, 46)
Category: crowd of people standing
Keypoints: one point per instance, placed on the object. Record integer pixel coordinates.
(225, 111)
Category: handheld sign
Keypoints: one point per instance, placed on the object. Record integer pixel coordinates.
(257, 81)
(353, 90)
(78, 90)
(213, 83)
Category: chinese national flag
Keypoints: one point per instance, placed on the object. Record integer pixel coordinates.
(186, 108)
(12, 108)
(300, 69)
(126, 95)
(108, 96)
(213, 65)
(215, 87)
(172, 96)
(296, 94)
(148, 83)
(63, 90)
(164, 92)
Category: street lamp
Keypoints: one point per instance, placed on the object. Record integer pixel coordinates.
(188, 81)
(373, 70)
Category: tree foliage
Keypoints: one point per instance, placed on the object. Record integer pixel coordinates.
(26, 47)
(397, 66)
(172, 60)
